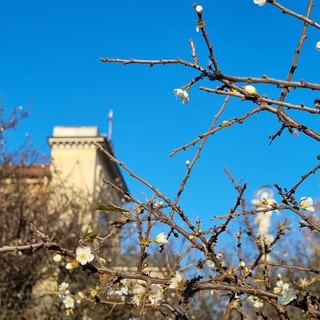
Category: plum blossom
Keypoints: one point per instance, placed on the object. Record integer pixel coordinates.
(260, 2)
(177, 281)
(251, 90)
(286, 293)
(306, 204)
(199, 9)
(256, 302)
(281, 286)
(287, 296)
(161, 239)
(57, 258)
(63, 289)
(220, 257)
(80, 297)
(182, 94)
(68, 302)
(158, 204)
(156, 294)
(72, 265)
(211, 264)
(318, 45)
(120, 289)
(138, 292)
(264, 200)
(84, 255)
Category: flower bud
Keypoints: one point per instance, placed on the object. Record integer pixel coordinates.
(251, 90)
(199, 9)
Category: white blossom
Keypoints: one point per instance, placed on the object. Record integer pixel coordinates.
(161, 238)
(281, 286)
(182, 94)
(138, 292)
(68, 302)
(156, 294)
(251, 90)
(287, 296)
(260, 2)
(306, 203)
(256, 302)
(211, 264)
(63, 290)
(57, 258)
(72, 265)
(120, 289)
(80, 297)
(177, 281)
(220, 257)
(199, 9)
(84, 255)
(264, 200)
(158, 204)
(63, 287)
(318, 45)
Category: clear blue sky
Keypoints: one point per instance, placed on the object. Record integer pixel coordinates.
(49, 59)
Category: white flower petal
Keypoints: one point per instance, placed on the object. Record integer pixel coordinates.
(260, 2)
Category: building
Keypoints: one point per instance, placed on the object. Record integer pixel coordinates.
(75, 174)
(78, 165)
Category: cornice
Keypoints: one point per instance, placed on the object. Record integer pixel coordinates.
(74, 142)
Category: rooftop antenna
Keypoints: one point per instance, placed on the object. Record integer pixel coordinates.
(110, 117)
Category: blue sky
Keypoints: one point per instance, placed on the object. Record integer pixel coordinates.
(49, 61)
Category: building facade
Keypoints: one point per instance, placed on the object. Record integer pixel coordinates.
(78, 165)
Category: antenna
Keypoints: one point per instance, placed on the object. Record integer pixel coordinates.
(110, 117)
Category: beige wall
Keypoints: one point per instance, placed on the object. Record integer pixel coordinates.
(77, 163)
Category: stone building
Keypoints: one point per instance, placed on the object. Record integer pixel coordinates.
(77, 165)
(76, 171)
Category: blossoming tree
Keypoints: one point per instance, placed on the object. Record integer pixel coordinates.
(252, 279)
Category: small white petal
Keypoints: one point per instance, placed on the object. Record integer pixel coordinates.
(260, 2)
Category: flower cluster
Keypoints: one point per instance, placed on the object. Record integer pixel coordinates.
(286, 293)
(67, 299)
(154, 294)
(120, 289)
(83, 256)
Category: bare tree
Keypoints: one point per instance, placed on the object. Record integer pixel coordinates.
(253, 276)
